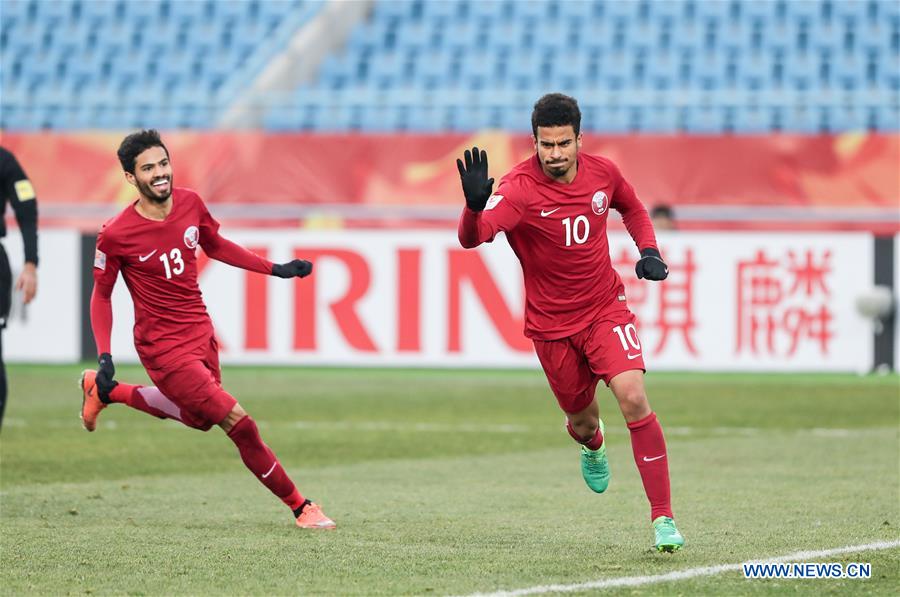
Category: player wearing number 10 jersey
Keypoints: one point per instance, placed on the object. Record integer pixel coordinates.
(153, 244)
(553, 208)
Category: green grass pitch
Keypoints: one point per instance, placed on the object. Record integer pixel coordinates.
(443, 482)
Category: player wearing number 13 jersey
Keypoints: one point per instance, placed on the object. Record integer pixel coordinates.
(553, 209)
(153, 244)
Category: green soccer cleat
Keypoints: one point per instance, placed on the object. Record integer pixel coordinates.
(668, 538)
(595, 465)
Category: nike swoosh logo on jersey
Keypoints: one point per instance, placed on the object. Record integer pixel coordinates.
(274, 464)
(147, 256)
(544, 214)
(654, 458)
(631, 357)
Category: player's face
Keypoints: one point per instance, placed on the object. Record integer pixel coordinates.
(557, 148)
(152, 174)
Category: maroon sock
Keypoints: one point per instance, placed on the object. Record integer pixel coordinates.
(147, 399)
(593, 444)
(262, 462)
(649, 448)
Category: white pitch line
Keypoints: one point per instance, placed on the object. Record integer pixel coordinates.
(634, 581)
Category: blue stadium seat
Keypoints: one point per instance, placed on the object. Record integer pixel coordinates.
(190, 12)
(394, 9)
(490, 10)
(741, 65)
(94, 10)
(16, 11)
(236, 10)
(578, 10)
(440, 10)
(753, 120)
(81, 63)
(885, 118)
(855, 9)
(847, 119)
(53, 13)
(148, 12)
(660, 119)
(705, 120)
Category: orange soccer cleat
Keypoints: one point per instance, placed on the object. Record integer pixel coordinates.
(312, 517)
(91, 405)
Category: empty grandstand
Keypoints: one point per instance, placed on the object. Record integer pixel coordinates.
(656, 66)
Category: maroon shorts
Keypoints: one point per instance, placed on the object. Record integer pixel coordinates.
(195, 386)
(574, 365)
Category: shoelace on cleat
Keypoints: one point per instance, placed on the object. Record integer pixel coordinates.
(667, 526)
(594, 462)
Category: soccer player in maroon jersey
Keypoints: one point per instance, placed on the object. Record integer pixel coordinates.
(553, 208)
(153, 243)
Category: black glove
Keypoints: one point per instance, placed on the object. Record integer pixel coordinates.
(651, 266)
(105, 373)
(298, 268)
(476, 185)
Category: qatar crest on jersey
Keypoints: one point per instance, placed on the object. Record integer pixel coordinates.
(599, 203)
(191, 237)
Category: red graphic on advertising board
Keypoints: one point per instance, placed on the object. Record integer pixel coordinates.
(675, 305)
(783, 302)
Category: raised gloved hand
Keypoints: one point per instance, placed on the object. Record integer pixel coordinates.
(105, 373)
(298, 268)
(477, 187)
(651, 266)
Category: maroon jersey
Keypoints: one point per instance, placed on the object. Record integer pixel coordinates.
(159, 264)
(558, 232)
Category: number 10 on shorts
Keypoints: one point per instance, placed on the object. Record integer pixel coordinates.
(629, 336)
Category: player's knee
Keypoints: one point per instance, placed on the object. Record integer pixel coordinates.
(236, 414)
(586, 429)
(633, 402)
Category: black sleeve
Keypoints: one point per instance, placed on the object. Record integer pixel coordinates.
(18, 189)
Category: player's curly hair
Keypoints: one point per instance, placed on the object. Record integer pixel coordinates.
(136, 143)
(556, 109)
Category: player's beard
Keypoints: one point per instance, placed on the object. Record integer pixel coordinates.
(150, 192)
(558, 170)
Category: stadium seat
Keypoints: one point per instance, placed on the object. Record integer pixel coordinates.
(741, 64)
(111, 48)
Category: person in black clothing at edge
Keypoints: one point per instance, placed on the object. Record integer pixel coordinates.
(17, 190)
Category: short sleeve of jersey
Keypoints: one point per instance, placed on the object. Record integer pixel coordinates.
(209, 226)
(504, 209)
(107, 260)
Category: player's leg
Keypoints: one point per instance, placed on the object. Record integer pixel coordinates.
(258, 457)
(212, 403)
(615, 353)
(574, 385)
(147, 399)
(262, 462)
(647, 440)
(649, 447)
(584, 425)
(3, 388)
(5, 304)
